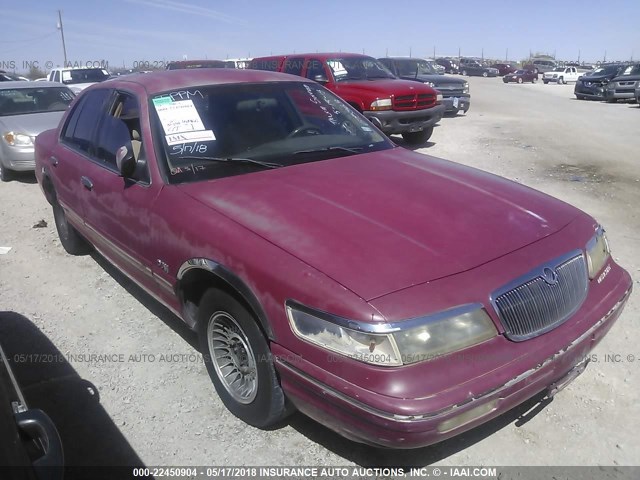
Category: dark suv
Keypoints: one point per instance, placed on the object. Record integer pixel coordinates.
(623, 87)
(455, 91)
(593, 84)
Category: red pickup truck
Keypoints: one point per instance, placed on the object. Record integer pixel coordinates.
(391, 104)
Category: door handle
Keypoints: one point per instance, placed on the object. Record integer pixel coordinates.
(54, 161)
(88, 184)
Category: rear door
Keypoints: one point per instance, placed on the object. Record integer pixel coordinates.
(116, 209)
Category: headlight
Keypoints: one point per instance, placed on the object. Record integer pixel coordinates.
(17, 139)
(394, 344)
(598, 252)
(431, 84)
(439, 98)
(465, 87)
(381, 104)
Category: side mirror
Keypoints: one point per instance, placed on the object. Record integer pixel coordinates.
(321, 78)
(125, 161)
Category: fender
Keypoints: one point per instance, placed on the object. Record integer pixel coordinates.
(231, 279)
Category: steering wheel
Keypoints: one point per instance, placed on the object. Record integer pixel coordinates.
(312, 130)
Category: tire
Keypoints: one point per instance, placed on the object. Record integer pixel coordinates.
(225, 325)
(519, 79)
(464, 72)
(580, 97)
(560, 81)
(70, 239)
(611, 100)
(545, 81)
(418, 138)
(485, 74)
(6, 175)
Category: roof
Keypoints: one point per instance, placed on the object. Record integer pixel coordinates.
(22, 84)
(161, 81)
(321, 55)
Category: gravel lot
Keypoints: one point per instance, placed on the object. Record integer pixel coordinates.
(144, 406)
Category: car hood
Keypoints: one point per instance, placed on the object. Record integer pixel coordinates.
(31, 124)
(438, 80)
(387, 87)
(380, 222)
(626, 78)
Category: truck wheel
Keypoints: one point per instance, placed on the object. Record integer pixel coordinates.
(485, 74)
(70, 239)
(560, 80)
(239, 361)
(418, 138)
(545, 81)
(6, 175)
(464, 72)
(519, 79)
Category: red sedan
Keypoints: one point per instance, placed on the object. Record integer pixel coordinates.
(397, 298)
(520, 76)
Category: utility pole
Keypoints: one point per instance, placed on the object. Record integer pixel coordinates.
(482, 55)
(434, 52)
(64, 48)
(605, 56)
(409, 52)
(506, 56)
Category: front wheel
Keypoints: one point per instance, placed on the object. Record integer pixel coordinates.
(519, 79)
(71, 240)
(464, 72)
(239, 361)
(418, 138)
(6, 175)
(485, 74)
(560, 81)
(545, 81)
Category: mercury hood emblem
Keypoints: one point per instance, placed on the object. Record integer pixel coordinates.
(550, 276)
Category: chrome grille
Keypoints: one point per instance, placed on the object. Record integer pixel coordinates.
(414, 102)
(543, 300)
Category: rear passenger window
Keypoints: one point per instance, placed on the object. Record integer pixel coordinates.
(83, 120)
(294, 66)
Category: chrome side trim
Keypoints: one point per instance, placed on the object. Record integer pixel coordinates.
(146, 290)
(477, 398)
(383, 327)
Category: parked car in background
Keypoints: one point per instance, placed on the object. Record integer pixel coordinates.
(450, 65)
(11, 77)
(593, 85)
(394, 105)
(454, 90)
(440, 70)
(329, 270)
(561, 75)
(26, 109)
(474, 68)
(520, 76)
(77, 79)
(638, 95)
(184, 64)
(237, 62)
(504, 68)
(623, 87)
(543, 65)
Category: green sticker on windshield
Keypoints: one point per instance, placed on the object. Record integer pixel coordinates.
(162, 101)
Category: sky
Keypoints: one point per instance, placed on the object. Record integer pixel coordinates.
(128, 33)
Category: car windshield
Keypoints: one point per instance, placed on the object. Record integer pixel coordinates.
(415, 67)
(358, 68)
(9, 77)
(604, 70)
(632, 70)
(558, 69)
(520, 72)
(21, 101)
(84, 75)
(224, 130)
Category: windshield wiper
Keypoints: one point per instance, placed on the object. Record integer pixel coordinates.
(234, 159)
(353, 150)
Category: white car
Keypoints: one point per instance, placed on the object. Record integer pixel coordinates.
(78, 78)
(561, 75)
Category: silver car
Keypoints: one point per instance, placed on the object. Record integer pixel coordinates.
(26, 109)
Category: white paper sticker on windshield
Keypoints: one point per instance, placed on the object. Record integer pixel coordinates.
(178, 117)
(190, 137)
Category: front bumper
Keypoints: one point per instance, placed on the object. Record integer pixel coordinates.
(368, 417)
(19, 159)
(391, 121)
(453, 103)
(594, 90)
(621, 95)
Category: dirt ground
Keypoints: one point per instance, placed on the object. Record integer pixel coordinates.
(145, 396)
